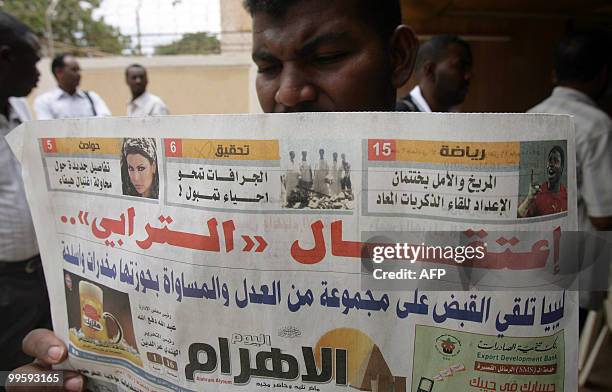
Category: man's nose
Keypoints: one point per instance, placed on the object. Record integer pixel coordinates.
(295, 87)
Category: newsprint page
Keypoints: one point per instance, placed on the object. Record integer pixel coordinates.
(309, 252)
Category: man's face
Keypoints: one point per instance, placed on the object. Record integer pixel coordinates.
(23, 75)
(452, 75)
(136, 78)
(554, 167)
(320, 56)
(69, 76)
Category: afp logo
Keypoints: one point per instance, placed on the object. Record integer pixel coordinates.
(448, 345)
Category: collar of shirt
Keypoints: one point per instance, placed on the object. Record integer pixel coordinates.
(572, 95)
(59, 94)
(140, 100)
(16, 115)
(419, 100)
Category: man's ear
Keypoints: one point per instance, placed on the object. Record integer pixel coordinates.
(404, 48)
(5, 54)
(6, 62)
(429, 70)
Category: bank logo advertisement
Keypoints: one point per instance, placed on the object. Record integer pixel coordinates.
(472, 362)
(448, 345)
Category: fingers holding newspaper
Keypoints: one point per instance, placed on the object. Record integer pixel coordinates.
(48, 350)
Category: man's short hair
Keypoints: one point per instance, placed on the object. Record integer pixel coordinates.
(383, 15)
(14, 33)
(135, 65)
(59, 62)
(581, 55)
(435, 48)
(558, 149)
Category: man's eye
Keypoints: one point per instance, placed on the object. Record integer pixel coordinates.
(268, 69)
(329, 58)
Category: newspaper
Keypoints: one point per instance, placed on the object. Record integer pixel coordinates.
(224, 253)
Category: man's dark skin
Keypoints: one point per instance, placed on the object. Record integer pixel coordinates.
(136, 79)
(18, 72)
(318, 56)
(444, 84)
(69, 76)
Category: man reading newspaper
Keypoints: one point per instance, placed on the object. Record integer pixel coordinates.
(318, 315)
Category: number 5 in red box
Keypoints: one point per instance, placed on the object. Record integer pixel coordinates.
(174, 147)
(49, 145)
(381, 150)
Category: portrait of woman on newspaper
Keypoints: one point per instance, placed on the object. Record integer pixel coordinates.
(139, 174)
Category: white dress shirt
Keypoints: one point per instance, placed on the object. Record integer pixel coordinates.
(147, 105)
(17, 238)
(57, 103)
(593, 151)
(419, 100)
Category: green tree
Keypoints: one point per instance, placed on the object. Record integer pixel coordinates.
(191, 43)
(74, 25)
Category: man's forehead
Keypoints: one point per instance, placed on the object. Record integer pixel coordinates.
(71, 61)
(458, 50)
(301, 22)
(136, 71)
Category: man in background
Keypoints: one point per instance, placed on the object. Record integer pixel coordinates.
(143, 103)
(444, 71)
(24, 304)
(582, 75)
(68, 100)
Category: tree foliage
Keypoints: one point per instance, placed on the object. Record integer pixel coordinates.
(191, 43)
(74, 24)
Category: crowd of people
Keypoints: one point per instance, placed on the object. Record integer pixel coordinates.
(347, 55)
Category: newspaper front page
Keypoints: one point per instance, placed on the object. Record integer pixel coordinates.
(248, 252)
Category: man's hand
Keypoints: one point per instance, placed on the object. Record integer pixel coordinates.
(48, 350)
(523, 208)
(534, 188)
